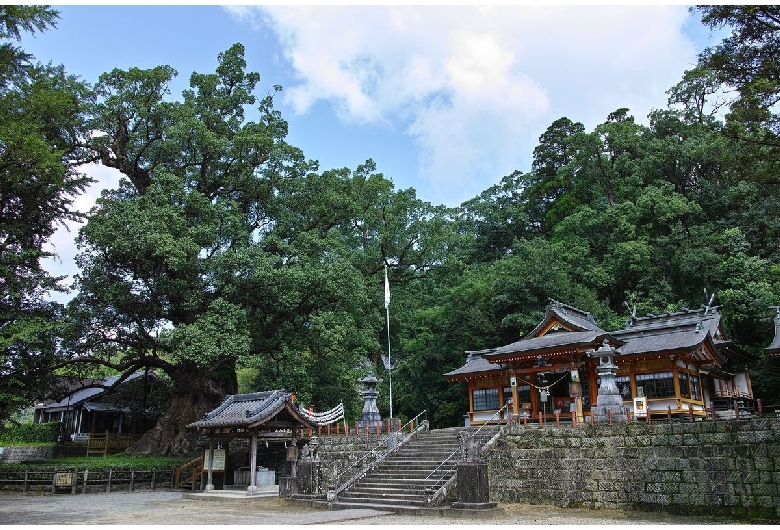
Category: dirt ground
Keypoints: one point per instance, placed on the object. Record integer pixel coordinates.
(169, 508)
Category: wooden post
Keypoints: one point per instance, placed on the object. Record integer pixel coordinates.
(253, 464)
(411, 426)
(108, 482)
(609, 416)
(525, 420)
(24, 487)
(84, 485)
(357, 428)
(760, 406)
(541, 421)
(132, 480)
(74, 477)
(154, 475)
(378, 426)
(736, 410)
(592, 419)
(668, 414)
(647, 416)
(557, 419)
(690, 412)
(573, 419)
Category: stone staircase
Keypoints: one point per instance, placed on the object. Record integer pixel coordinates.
(407, 480)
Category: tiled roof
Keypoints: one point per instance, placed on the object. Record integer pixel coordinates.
(253, 410)
(575, 339)
(577, 318)
(685, 330)
(475, 364)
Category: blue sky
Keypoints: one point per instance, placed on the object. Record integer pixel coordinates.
(446, 100)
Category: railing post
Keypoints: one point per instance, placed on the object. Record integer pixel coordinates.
(132, 480)
(760, 406)
(609, 416)
(668, 414)
(557, 419)
(74, 478)
(592, 419)
(108, 482)
(541, 421)
(24, 487)
(154, 474)
(84, 485)
(736, 410)
(573, 419)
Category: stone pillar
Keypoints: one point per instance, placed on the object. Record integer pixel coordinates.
(472, 485)
(209, 482)
(609, 398)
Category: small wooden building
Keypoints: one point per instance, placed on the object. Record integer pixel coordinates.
(260, 416)
(680, 362)
(85, 409)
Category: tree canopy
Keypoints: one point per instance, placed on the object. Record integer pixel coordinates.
(227, 261)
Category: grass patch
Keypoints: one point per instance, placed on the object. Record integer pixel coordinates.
(118, 462)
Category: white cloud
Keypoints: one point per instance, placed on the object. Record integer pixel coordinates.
(476, 86)
(62, 243)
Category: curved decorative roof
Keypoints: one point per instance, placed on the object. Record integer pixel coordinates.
(271, 410)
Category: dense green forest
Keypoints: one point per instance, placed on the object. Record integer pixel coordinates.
(227, 261)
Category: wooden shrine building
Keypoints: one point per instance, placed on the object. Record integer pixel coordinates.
(680, 363)
(260, 416)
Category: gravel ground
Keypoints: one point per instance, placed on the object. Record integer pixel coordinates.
(169, 508)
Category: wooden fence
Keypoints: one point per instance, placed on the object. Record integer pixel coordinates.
(86, 481)
(109, 443)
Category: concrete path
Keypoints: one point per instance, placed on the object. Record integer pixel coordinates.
(171, 508)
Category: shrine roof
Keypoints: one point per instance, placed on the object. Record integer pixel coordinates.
(668, 341)
(568, 315)
(552, 341)
(273, 408)
(476, 365)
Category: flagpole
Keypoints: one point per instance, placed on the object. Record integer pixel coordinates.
(389, 360)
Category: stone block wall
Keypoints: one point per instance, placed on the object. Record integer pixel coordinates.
(726, 467)
(346, 454)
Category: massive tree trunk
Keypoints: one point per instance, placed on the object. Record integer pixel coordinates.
(196, 391)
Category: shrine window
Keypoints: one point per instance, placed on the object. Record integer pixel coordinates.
(524, 393)
(695, 387)
(685, 389)
(623, 383)
(485, 399)
(656, 385)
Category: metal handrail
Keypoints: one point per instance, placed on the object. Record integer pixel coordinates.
(381, 456)
(497, 413)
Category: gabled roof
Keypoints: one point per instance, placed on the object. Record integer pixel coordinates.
(566, 329)
(566, 316)
(84, 395)
(271, 410)
(530, 348)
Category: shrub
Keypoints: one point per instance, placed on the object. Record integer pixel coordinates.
(15, 433)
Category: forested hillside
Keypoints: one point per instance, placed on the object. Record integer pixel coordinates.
(228, 261)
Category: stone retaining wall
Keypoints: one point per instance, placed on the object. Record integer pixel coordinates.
(724, 467)
(17, 454)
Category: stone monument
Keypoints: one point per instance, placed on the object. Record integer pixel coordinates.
(609, 401)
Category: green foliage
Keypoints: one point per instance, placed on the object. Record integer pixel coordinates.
(41, 127)
(14, 433)
(120, 462)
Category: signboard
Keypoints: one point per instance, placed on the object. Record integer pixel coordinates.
(512, 381)
(219, 460)
(640, 407)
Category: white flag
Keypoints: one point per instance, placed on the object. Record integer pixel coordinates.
(387, 290)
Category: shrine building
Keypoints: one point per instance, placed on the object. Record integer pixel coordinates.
(680, 363)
